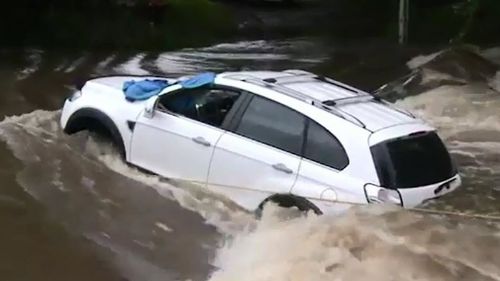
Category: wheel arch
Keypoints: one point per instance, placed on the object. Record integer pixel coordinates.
(92, 119)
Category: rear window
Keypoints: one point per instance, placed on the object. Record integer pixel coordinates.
(413, 161)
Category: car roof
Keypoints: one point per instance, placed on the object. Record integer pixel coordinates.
(347, 102)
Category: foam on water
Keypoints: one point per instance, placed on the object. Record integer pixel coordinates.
(34, 60)
(44, 127)
(220, 57)
(259, 45)
(181, 63)
(495, 82)
(492, 54)
(421, 60)
(263, 46)
(217, 210)
(133, 66)
(370, 243)
(455, 109)
(134, 217)
(75, 64)
(104, 64)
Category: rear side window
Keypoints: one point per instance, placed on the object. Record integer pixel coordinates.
(323, 148)
(273, 124)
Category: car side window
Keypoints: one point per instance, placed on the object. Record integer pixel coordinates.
(324, 148)
(209, 105)
(274, 124)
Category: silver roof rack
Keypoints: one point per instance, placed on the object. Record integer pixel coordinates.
(361, 96)
(333, 106)
(273, 83)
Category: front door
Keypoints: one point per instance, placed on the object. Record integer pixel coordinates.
(179, 140)
(261, 156)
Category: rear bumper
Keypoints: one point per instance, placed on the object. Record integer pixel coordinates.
(413, 197)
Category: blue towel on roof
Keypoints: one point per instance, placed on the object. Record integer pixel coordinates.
(198, 80)
(143, 89)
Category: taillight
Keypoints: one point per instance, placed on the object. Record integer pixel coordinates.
(377, 194)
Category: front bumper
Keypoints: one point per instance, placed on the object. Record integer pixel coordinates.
(65, 114)
(69, 107)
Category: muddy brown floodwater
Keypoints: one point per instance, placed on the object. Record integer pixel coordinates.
(70, 209)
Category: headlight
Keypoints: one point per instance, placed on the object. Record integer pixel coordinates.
(75, 96)
(377, 194)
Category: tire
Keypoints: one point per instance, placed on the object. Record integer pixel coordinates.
(289, 201)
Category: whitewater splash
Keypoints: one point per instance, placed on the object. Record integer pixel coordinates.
(364, 244)
(456, 109)
(294, 53)
(44, 134)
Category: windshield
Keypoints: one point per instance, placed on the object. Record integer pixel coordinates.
(412, 161)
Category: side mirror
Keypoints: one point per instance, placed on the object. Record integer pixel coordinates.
(149, 107)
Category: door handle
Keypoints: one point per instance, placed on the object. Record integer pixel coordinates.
(282, 168)
(201, 140)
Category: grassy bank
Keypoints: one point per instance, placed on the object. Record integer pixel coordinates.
(179, 23)
(103, 24)
(431, 21)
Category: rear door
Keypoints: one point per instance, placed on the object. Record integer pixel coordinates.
(179, 140)
(322, 176)
(262, 153)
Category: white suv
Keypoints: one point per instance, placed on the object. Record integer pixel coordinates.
(290, 137)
